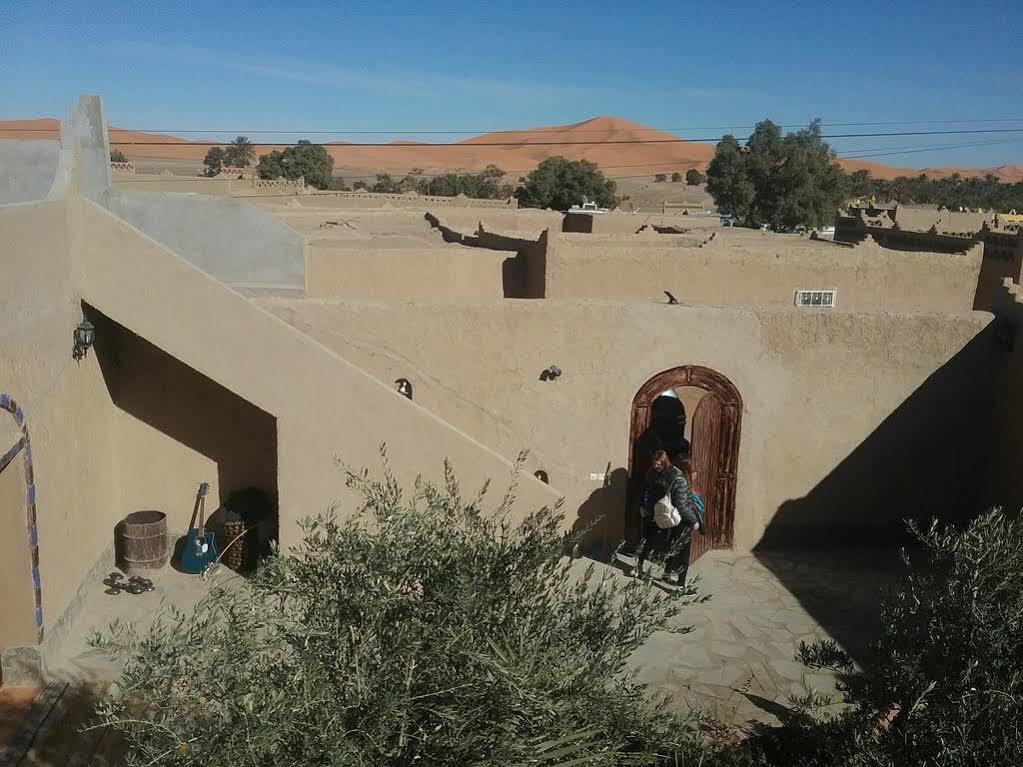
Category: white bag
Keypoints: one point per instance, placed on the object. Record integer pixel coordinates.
(665, 515)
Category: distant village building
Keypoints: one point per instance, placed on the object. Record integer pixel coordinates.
(937, 229)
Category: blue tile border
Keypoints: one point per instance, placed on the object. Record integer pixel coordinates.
(24, 447)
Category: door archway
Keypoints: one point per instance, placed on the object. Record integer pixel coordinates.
(716, 425)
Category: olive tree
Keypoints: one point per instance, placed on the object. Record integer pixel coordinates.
(422, 628)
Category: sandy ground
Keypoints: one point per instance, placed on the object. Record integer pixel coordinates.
(616, 145)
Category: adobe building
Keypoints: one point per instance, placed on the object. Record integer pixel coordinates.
(251, 341)
(939, 230)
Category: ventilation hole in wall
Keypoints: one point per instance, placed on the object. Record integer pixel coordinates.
(541, 475)
(404, 387)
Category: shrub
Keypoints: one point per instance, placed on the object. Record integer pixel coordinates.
(423, 630)
(213, 163)
(559, 184)
(303, 160)
(694, 177)
(660, 178)
(943, 685)
(676, 177)
(118, 156)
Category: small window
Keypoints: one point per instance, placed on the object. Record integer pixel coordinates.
(822, 298)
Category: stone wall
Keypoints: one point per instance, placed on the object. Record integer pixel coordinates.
(123, 168)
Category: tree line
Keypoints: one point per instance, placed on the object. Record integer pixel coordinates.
(791, 180)
(556, 183)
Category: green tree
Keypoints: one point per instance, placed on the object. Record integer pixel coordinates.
(213, 163)
(386, 184)
(559, 184)
(728, 179)
(117, 156)
(660, 178)
(240, 152)
(426, 630)
(782, 181)
(304, 160)
(694, 177)
(676, 177)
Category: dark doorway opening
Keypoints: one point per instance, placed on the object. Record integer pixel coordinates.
(659, 422)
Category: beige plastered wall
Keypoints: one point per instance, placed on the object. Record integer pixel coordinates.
(445, 271)
(324, 406)
(814, 385)
(725, 272)
(67, 408)
(1006, 477)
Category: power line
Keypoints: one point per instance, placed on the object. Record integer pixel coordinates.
(550, 129)
(677, 163)
(612, 142)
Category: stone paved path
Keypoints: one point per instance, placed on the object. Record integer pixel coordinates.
(737, 664)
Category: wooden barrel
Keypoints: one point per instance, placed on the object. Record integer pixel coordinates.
(143, 544)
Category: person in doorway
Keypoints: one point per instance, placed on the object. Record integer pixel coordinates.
(684, 463)
(667, 546)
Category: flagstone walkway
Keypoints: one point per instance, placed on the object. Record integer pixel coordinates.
(738, 662)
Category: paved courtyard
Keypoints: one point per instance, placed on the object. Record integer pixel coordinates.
(738, 662)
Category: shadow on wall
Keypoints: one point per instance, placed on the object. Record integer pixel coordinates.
(196, 413)
(929, 458)
(600, 515)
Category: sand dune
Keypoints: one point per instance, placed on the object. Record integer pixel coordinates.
(610, 142)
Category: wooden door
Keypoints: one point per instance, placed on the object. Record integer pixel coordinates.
(706, 463)
(716, 427)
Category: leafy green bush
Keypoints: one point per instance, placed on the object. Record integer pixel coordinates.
(117, 155)
(304, 160)
(694, 177)
(423, 630)
(944, 683)
(559, 184)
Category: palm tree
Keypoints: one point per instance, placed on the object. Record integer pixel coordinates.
(241, 152)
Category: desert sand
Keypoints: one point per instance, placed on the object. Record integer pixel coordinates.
(598, 140)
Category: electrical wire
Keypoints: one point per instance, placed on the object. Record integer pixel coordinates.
(549, 129)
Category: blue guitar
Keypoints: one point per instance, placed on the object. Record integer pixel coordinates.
(200, 549)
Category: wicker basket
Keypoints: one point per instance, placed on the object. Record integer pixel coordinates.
(237, 555)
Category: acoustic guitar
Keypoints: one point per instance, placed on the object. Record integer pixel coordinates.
(200, 550)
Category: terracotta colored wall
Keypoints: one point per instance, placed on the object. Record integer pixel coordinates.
(447, 271)
(730, 272)
(824, 393)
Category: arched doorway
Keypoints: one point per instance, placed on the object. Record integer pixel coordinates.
(714, 434)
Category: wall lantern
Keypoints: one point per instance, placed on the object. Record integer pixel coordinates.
(85, 336)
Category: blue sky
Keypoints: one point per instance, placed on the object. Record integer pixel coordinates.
(416, 66)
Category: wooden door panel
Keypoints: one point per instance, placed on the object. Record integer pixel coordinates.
(706, 452)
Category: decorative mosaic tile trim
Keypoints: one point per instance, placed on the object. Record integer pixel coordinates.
(24, 447)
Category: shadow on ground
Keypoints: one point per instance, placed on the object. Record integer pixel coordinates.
(928, 458)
